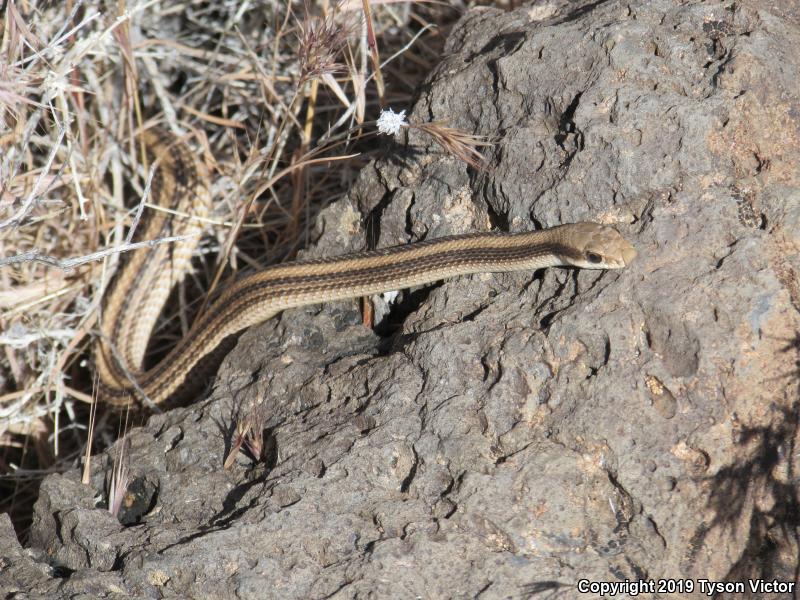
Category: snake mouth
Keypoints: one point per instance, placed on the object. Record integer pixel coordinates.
(628, 253)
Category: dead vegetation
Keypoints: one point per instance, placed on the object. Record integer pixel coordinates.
(273, 93)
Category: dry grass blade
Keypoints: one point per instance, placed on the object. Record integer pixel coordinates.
(372, 44)
(249, 434)
(67, 264)
(120, 478)
(460, 144)
(87, 457)
(27, 205)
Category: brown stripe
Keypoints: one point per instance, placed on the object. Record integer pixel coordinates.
(261, 282)
(264, 293)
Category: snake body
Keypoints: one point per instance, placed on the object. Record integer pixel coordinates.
(181, 183)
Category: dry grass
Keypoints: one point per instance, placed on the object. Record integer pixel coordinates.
(273, 91)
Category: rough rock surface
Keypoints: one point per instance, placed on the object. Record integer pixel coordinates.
(515, 433)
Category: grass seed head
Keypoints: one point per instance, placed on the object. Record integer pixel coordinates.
(321, 43)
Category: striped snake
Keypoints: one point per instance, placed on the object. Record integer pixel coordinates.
(144, 282)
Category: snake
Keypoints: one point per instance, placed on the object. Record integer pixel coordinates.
(145, 278)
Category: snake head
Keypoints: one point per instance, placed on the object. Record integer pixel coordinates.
(595, 246)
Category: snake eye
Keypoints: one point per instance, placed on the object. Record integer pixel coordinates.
(594, 258)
